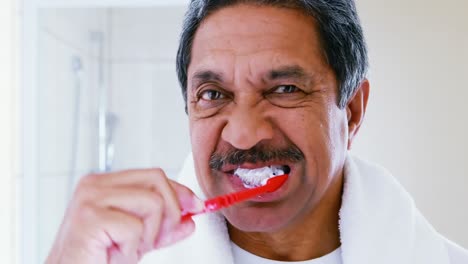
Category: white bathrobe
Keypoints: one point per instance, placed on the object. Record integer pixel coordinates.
(379, 223)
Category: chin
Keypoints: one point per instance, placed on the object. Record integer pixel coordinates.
(258, 218)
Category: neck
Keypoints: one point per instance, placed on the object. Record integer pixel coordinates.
(313, 236)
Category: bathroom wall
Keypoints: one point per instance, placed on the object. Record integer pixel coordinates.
(145, 95)
(64, 34)
(8, 130)
(417, 120)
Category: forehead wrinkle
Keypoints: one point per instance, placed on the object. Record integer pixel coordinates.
(246, 72)
(251, 77)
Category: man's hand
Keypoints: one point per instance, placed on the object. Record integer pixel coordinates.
(118, 217)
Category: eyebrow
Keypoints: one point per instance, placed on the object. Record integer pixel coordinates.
(206, 76)
(283, 72)
(289, 72)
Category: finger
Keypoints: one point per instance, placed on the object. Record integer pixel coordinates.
(138, 202)
(168, 237)
(172, 207)
(115, 231)
(154, 179)
(139, 177)
(147, 205)
(117, 257)
(158, 231)
(188, 201)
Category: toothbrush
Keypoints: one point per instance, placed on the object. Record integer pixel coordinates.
(223, 201)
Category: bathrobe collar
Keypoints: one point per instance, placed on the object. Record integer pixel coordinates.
(379, 223)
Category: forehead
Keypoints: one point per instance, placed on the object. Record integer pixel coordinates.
(256, 38)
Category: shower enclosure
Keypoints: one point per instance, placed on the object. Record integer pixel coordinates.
(103, 96)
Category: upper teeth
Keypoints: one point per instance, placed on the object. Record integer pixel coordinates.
(258, 177)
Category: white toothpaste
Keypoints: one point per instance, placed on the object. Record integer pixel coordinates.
(258, 177)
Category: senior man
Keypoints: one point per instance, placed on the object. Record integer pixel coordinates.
(266, 84)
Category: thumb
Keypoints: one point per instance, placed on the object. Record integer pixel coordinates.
(179, 232)
(188, 201)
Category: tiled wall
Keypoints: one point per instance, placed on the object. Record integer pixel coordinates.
(64, 34)
(143, 94)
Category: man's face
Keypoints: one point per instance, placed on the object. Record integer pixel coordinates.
(258, 82)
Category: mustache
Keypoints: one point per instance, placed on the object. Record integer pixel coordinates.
(253, 155)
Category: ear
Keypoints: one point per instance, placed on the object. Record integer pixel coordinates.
(356, 110)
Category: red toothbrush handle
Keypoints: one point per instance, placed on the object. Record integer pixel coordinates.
(223, 201)
(227, 200)
(220, 202)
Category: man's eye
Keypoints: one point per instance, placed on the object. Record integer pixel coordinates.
(211, 95)
(284, 89)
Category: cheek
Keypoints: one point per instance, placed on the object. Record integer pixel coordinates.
(201, 145)
(329, 146)
(321, 135)
(204, 135)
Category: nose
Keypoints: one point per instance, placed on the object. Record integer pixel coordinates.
(246, 127)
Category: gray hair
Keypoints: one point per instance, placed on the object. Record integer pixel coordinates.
(338, 25)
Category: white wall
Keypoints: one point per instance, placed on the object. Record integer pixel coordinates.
(145, 95)
(139, 73)
(417, 117)
(8, 130)
(64, 33)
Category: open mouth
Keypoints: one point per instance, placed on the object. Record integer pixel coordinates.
(252, 178)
